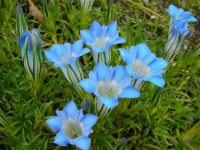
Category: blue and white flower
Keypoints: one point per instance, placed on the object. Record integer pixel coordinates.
(30, 44)
(72, 126)
(65, 56)
(108, 84)
(143, 65)
(100, 39)
(178, 31)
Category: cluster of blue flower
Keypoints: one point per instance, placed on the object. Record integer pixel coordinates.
(107, 83)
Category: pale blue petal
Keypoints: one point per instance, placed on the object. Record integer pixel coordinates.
(88, 85)
(130, 92)
(149, 59)
(112, 29)
(71, 109)
(119, 40)
(87, 37)
(124, 83)
(142, 50)
(131, 71)
(119, 73)
(83, 142)
(87, 132)
(83, 52)
(133, 53)
(98, 49)
(157, 81)
(101, 71)
(59, 49)
(172, 10)
(192, 19)
(125, 54)
(95, 28)
(61, 139)
(54, 123)
(89, 120)
(109, 102)
(77, 47)
(159, 64)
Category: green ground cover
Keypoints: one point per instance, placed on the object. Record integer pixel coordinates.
(169, 120)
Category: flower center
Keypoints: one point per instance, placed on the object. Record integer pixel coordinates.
(140, 68)
(108, 89)
(64, 59)
(72, 128)
(101, 42)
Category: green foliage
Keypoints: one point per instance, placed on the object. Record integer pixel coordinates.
(160, 119)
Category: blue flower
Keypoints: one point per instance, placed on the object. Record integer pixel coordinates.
(101, 38)
(144, 65)
(66, 57)
(73, 126)
(109, 84)
(180, 18)
(65, 54)
(178, 31)
(30, 44)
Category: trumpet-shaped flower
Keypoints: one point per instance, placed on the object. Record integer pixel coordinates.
(180, 18)
(72, 126)
(30, 44)
(178, 31)
(143, 65)
(101, 38)
(65, 56)
(109, 84)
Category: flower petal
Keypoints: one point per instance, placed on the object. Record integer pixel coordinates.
(112, 29)
(83, 142)
(159, 64)
(130, 92)
(87, 37)
(172, 10)
(87, 132)
(157, 81)
(131, 71)
(71, 109)
(88, 85)
(98, 49)
(77, 46)
(61, 139)
(109, 102)
(95, 28)
(102, 71)
(119, 73)
(54, 123)
(142, 50)
(83, 52)
(118, 40)
(125, 54)
(89, 120)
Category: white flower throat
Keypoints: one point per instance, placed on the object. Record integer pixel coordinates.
(101, 42)
(140, 68)
(109, 89)
(72, 128)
